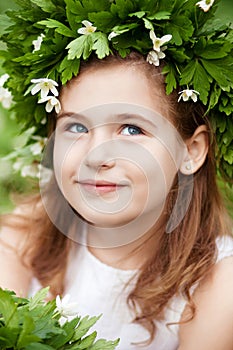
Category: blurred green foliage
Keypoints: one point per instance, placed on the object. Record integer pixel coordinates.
(10, 182)
(10, 139)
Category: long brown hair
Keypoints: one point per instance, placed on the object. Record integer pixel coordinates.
(184, 256)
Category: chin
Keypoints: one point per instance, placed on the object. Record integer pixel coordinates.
(106, 220)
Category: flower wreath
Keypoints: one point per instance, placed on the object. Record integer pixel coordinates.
(47, 39)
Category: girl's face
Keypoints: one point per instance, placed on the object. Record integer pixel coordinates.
(115, 156)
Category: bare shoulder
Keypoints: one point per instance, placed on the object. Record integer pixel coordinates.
(211, 327)
(14, 274)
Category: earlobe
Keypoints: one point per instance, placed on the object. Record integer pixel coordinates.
(197, 149)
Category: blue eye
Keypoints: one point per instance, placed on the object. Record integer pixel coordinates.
(77, 128)
(131, 130)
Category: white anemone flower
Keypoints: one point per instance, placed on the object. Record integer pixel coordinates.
(153, 57)
(65, 308)
(44, 174)
(158, 42)
(37, 43)
(29, 170)
(37, 147)
(3, 79)
(87, 29)
(205, 5)
(52, 102)
(5, 97)
(187, 94)
(18, 164)
(44, 85)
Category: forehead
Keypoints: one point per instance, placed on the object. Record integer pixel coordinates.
(113, 84)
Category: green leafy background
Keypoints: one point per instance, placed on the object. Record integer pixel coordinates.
(9, 138)
(32, 324)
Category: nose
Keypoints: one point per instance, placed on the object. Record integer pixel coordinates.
(101, 154)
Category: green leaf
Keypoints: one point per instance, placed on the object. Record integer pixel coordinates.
(160, 15)
(101, 45)
(85, 342)
(221, 71)
(212, 25)
(46, 5)
(188, 73)
(228, 109)
(38, 346)
(45, 323)
(8, 337)
(123, 52)
(170, 79)
(38, 298)
(122, 8)
(8, 309)
(178, 54)
(120, 29)
(227, 138)
(201, 82)
(4, 22)
(84, 325)
(228, 156)
(221, 124)
(214, 97)
(224, 100)
(148, 24)
(39, 112)
(103, 20)
(68, 69)
(69, 330)
(195, 75)
(215, 50)
(26, 337)
(102, 344)
(59, 27)
(81, 46)
(138, 14)
(181, 29)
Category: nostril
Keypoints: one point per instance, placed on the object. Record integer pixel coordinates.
(99, 163)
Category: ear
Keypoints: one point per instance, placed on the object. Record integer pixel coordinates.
(197, 149)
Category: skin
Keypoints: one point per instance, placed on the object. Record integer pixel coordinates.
(94, 143)
(13, 274)
(211, 328)
(111, 143)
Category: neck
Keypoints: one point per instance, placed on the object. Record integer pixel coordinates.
(107, 244)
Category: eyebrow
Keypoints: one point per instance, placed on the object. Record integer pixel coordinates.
(123, 117)
(67, 114)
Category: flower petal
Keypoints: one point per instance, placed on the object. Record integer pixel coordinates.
(112, 35)
(194, 97)
(152, 35)
(35, 89)
(3, 79)
(54, 90)
(44, 91)
(166, 38)
(87, 23)
(58, 300)
(82, 31)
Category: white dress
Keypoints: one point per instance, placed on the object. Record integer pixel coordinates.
(98, 289)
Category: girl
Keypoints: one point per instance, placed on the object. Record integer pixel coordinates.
(174, 287)
(131, 223)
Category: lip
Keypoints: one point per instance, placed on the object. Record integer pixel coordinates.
(100, 186)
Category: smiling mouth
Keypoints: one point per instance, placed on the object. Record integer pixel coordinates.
(100, 187)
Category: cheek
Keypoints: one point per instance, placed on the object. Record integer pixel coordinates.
(160, 170)
(66, 160)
